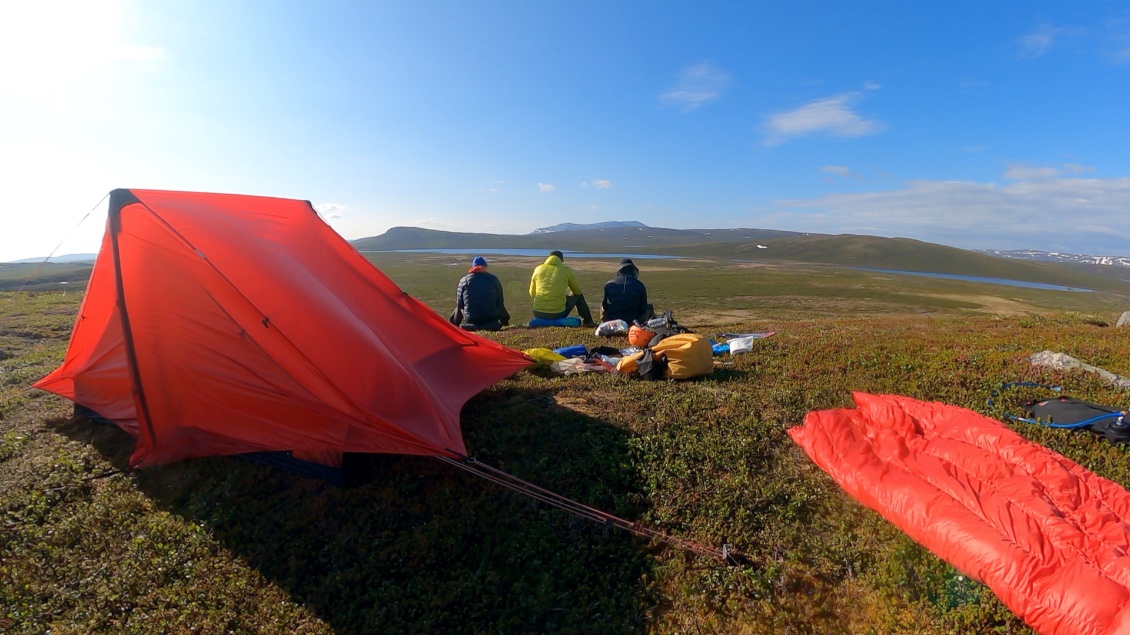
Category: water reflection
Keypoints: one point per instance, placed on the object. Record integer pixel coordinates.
(954, 276)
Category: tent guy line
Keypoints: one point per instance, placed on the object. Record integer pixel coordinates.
(726, 555)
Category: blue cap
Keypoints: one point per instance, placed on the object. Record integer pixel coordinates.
(479, 261)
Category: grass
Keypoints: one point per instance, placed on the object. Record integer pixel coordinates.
(222, 545)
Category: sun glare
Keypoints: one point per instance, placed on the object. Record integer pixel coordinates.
(50, 45)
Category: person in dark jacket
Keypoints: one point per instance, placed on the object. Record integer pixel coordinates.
(625, 297)
(479, 303)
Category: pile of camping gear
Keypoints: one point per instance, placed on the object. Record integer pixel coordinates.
(661, 348)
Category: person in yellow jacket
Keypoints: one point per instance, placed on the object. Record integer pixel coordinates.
(549, 286)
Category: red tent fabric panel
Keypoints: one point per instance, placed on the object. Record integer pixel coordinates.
(95, 373)
(1048, 537)
(256, 327)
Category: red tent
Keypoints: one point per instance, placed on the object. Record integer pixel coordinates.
(219, 324)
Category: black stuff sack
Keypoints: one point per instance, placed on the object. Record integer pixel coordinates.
(651, 365)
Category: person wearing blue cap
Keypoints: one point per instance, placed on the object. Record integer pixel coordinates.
(479, 303)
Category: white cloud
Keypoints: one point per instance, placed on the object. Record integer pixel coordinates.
(1021, 215)
(1023, 172)
(831, 116)
(1036, 44)
(1121, 55)
(330, 210)
(836, 172)
(1043, 39)
(602, 184)
(546, 187)
(697, 86)
(1119, 41)
(435, 223)
(1020, 172)
(1109, 41)
(872, 85)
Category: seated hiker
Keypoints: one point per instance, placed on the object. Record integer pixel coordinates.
(549, 286)
(478, 300)
(625, 297)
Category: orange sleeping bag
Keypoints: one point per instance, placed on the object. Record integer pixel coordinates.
(1050, 538)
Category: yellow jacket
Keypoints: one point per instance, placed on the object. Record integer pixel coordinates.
(548, 285)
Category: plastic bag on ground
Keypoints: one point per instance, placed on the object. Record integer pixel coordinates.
(575, 365)
(756, 336)
(741, 345)
(612, 327)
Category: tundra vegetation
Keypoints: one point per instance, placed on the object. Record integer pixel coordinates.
(221, 545)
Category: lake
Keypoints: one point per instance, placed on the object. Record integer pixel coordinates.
(954, 276)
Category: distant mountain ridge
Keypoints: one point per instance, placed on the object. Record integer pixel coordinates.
(601, 239)
(571, 227)
(64, 258)
(1055, 256)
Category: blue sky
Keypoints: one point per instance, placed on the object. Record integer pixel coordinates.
(974, 124)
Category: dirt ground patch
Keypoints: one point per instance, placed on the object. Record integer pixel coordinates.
(718, 317)
(752, 265)
(995, 305)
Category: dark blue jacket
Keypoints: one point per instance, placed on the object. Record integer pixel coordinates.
(479, 299)
(625, 297)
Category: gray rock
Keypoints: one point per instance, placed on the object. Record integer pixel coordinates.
(1062, 361)
(1124, 320)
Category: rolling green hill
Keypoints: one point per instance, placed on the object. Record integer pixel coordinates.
(905, 254)
(49, 276)
(769, 246)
